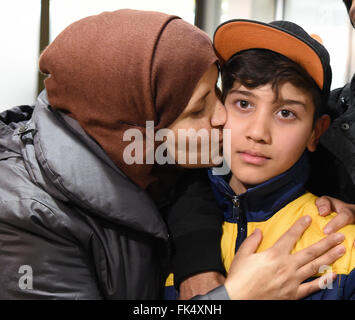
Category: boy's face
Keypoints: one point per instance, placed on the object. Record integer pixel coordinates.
(268, 135)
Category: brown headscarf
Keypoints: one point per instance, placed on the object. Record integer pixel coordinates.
(114, 71)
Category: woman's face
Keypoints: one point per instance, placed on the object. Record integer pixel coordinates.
(198, 130)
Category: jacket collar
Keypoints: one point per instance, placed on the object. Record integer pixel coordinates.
(262, 201)
(83, 174)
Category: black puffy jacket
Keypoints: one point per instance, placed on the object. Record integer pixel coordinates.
(72, 226)
(333, 164)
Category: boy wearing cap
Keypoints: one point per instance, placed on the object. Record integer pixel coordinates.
(332, 174)
(275, 84)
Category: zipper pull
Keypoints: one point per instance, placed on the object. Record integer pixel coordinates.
(236, 203)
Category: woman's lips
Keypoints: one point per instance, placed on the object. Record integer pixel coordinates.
(253, 158)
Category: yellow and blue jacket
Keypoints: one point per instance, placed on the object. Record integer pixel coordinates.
(273, 207)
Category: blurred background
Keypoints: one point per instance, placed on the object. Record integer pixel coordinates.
(27, 26)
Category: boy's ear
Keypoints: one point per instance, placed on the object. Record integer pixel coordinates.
(320, 127)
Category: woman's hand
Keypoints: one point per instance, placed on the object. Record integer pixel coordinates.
(277, 274)
(345, 213)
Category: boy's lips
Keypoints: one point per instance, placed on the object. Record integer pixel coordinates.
(253, 157)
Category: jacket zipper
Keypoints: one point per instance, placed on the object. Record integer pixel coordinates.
(238, 214)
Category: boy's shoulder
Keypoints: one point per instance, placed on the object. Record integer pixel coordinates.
(282, 220)
(306, 205)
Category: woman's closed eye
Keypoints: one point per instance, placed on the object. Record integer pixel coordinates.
(198, 111)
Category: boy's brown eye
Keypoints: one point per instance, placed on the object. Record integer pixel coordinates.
(243, 104)
(286, 114)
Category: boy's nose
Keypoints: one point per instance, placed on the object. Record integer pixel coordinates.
(219, 116)
(259, 130)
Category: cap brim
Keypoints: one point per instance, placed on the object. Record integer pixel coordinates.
(239, 35)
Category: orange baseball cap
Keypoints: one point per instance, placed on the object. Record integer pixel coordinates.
(283, 37)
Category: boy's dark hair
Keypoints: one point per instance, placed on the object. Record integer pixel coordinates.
(257, 67)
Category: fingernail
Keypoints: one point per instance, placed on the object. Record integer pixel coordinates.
(327, 230)
(257, 230)
(307, 219)
(322, 210)
(334, 275)
(341, 250)
(339, 237)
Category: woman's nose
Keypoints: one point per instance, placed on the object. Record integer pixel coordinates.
(219, 116)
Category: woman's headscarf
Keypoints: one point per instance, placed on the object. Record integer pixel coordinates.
(114, 71)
